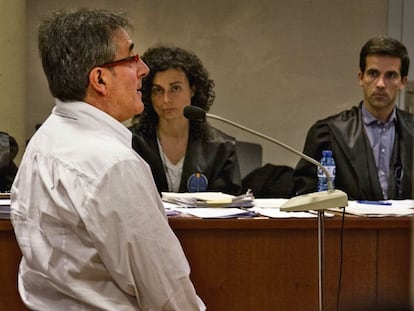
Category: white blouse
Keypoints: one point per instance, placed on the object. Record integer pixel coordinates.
(172, 171)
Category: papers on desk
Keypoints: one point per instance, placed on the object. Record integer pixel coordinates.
(208, 204)
(394, 208)
(270, 208)
(220, 205)
(208, 199)
(4, 195)
(216, 212)
(4, 208)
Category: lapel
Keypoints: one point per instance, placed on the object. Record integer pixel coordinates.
(157, 164)
(404, 130)
(348, 131)
(193, 161)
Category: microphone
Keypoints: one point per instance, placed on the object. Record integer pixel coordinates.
(310, 201)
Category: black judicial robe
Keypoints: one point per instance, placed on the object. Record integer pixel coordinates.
(214, 157)
(356, 172)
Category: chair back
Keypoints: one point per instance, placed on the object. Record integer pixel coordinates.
(250, 156)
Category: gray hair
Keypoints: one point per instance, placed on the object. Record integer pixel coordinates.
(72, 43)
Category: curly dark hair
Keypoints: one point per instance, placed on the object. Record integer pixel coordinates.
(162, 58)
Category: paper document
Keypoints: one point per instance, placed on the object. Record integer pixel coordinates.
(276, 213)
(4, 208)
(269, 203)
(216, 212)
(394, 208)
(262, 207)
(4, 195)
(4, 202)
(270, 208)
(208, 199)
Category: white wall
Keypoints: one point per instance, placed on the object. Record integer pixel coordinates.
(12, 70)
(278, 65)
(401, 26)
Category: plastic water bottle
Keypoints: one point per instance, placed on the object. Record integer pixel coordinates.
(329, 163)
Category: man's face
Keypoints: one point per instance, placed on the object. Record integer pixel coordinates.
(381, 83)
(125, 81)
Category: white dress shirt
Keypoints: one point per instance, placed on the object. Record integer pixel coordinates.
(90, 223)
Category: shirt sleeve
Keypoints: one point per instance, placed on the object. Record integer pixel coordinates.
(127, 223)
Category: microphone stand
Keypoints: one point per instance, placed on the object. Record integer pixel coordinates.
(321, 257)
(300, 154)
(317, 201)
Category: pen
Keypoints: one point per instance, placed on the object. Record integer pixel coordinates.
(374, 202)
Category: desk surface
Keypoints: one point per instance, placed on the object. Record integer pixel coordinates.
(272, 264)
(264, 223)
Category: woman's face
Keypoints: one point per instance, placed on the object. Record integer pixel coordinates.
(170, 93)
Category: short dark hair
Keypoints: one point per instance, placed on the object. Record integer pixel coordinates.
(71, 43)
(385, 46)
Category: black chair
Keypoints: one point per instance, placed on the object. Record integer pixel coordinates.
(266, 181)
(8, 169)
(270, 181)
(249, 155)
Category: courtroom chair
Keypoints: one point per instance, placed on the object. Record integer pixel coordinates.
(249, 155)
(8, 169)
(270, 181)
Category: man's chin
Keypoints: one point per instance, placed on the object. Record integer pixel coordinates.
(380, 103)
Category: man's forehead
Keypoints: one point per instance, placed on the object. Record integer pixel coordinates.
(384, 61)
(122, 39)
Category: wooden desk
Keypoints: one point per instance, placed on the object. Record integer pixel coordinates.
(9, 263)
(272, 264)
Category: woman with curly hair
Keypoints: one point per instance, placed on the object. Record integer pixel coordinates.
(184, 156)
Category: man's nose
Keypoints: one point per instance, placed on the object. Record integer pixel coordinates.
(142, 69)
(380, 82)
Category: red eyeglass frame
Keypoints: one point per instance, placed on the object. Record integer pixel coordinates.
(134, 58)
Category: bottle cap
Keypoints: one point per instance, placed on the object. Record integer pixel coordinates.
(327, 153)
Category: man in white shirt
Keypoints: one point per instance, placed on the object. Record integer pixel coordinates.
(85, 208)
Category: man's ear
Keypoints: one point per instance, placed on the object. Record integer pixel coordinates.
(360, 77)
(97, 80)
(404, 81)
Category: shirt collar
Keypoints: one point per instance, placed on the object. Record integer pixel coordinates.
(78, 110)
(369, 119)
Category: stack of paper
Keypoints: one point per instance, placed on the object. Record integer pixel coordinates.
(221, 205)
(208, 199)
(209, 204)
(4, 205)
(216, 212)
(380, 208)
(271, 208)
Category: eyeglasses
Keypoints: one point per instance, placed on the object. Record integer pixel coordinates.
(134, 58)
